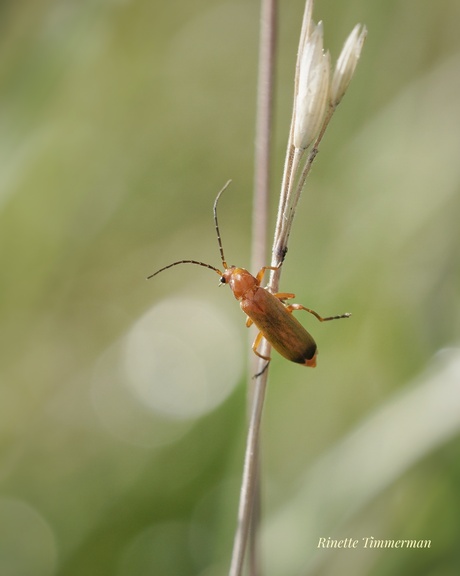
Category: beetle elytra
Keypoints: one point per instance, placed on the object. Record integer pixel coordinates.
(268, 311)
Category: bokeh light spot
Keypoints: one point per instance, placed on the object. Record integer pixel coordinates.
(27, 542)
(182, 358)
(179, 361)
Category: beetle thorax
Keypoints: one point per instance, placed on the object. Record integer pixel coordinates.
(240, 281)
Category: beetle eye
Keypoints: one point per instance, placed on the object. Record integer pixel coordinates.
(222, 280)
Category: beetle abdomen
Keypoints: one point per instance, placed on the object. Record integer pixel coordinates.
(284, 332)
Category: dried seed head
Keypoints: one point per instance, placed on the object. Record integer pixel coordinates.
(312, 88)
(346, 63)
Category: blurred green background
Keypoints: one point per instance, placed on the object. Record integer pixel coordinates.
(122, 401)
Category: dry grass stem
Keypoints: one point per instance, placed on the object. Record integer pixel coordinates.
(314, 106)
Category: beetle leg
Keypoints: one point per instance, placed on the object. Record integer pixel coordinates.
(292, 307)
(284, 296)
(261, 272)
(256, 344)
(262, 371)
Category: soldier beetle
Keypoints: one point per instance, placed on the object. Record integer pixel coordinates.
(268, 311)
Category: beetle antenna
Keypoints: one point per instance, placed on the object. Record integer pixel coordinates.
(186, 262)
(224, 263)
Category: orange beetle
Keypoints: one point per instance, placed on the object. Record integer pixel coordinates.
(267, 311)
